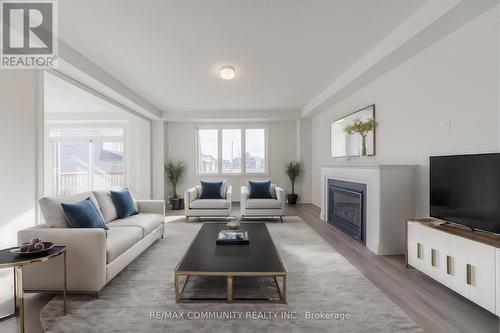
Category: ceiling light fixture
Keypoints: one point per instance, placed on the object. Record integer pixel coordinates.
(227, 72)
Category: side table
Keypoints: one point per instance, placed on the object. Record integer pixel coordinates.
(17, 262)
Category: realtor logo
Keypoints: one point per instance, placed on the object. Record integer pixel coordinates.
(28, 34)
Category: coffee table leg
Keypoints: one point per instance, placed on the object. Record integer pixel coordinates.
(65, 285)
(177, 293)
(15, 292)
(283, 296)
(20, 295)
(229, 288)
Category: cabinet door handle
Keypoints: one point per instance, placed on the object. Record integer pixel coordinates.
(419, 251)
(469, 274)
(448, 265)
(433, 257)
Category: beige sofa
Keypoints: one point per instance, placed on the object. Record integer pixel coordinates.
(94, 256)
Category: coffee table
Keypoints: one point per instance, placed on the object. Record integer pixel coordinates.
(259, 258)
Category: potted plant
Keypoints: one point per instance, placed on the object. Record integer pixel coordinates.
(174, 171)
(293, 172)
(362, 128)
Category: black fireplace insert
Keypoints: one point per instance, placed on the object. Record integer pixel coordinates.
(347, 208)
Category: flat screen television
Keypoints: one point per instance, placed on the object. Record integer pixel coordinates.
(465, 189)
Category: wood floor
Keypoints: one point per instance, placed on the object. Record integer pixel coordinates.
(432, 306)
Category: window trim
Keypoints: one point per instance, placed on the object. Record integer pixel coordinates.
(243, 172)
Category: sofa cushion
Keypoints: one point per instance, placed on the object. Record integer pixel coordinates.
(209, 204)
(106, 205)
(263, 204)
(146, 221)
(53, 213)
(119, 240)
(260, 189)
(83, 214)
(124, 203)
(211, 190)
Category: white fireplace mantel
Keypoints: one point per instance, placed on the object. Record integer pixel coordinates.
(389, 201)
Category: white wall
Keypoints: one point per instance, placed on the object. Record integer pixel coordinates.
(18, 166)
(454, 80)
(181, 145)
(304, 155)
(139, 159)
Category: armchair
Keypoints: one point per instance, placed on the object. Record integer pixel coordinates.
(196, 207)
(263, 207)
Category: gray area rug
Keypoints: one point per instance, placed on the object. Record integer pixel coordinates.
(325, 294)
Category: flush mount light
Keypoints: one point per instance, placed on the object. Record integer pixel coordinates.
(227, 72)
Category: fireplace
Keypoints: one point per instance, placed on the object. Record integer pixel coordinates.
(347, 208)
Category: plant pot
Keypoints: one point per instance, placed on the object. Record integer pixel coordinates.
(292, 199)
(177, 203)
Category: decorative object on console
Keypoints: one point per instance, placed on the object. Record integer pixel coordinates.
(293, 172)
(83, 214)
(344, 144)
(175, 172)
(124, 203)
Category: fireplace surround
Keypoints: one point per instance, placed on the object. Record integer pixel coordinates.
(389, 201)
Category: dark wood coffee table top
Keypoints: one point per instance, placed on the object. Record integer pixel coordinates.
(205, 257)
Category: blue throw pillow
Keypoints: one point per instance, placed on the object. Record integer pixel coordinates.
(260, 189)
(83, 214)
(211, 190)
(124, 203)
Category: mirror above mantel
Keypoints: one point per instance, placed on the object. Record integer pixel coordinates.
(343, 144)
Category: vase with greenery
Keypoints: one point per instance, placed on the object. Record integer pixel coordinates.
(293, 172)
(175, 171)
(361, 127)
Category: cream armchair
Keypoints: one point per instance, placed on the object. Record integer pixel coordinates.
(263, 207)
(196, 207)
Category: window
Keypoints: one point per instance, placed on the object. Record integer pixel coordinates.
(208, 150)
(87, 159)
(255, 148)
(231, 150)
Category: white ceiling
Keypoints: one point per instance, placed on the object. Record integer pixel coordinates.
(285, 51)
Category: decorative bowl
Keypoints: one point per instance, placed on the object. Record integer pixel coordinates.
(46, 246)
(233, 224)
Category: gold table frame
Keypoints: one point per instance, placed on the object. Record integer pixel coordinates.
(229, 281)
(18, 284)
(229, 287)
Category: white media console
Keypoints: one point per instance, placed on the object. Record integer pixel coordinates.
(468, 262)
